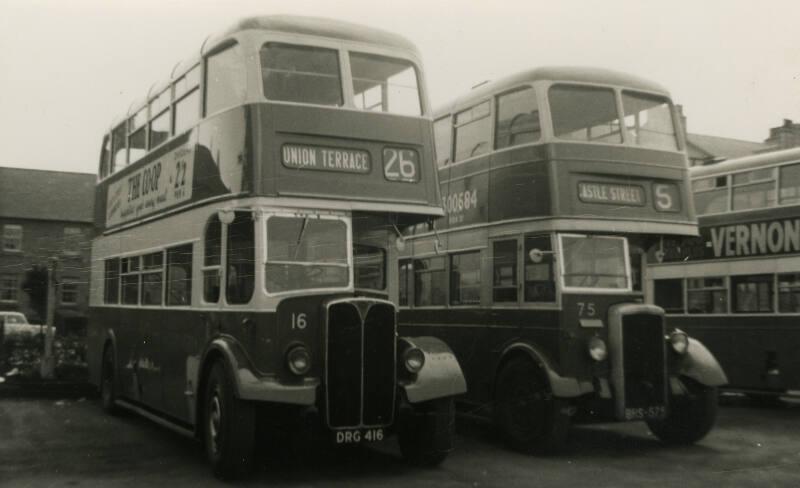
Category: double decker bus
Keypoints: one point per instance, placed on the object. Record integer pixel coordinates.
(737, 285)
(555, 183)
(247, 210)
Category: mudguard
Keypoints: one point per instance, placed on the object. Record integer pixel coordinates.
(248, 385)
(441, 375)
(700, 365)
(560, 386)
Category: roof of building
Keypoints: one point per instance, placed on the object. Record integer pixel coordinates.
(46, 195)
(724, 147)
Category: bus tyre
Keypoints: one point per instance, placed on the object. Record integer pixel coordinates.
(108, 388)
(691, 416)
(228, 427)
(527, 415)
(425, 432)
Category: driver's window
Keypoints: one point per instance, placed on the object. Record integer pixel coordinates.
(540, 284)
(240, 259)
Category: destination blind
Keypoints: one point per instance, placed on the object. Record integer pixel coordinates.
(299, 156)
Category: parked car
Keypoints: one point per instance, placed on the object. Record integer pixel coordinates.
(16, 325)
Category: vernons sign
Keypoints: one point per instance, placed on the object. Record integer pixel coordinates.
(741, 240)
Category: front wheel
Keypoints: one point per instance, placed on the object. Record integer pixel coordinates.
(425, 433)
(691, 416)
(529, 417)
(228, 427)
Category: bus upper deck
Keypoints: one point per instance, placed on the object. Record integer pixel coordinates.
(565, 144)
(279, 107)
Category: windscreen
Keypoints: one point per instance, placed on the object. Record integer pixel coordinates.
(306, 253)
(648, 121)
(594, 262)
(301, 74)
(382, 84)
(583, 113)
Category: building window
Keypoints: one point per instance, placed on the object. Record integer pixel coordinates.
(430, 282)
(212, 260)
(669, 294)
(406, 273)
(504, 264)
(9, 288)
(465, 278)
(69, 291)
(111, 292)
(752, 293)
(472, 131)
(12, 238)
(789, 293)
(754, 189)
(73, 241)
(443, 138)
(517, 118)
(225, 79)
(540, 284)
(179, 275)
(707, 295)
(152, 278)
(131, 272)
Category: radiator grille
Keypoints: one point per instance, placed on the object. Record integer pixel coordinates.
(360, 384)
(643, 361)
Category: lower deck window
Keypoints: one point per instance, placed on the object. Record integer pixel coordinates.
(465, 278)
(752, 293)
(504, 270)
(540, 285)
(179, 275)
(430, 282)
(707, 295)
(669, 294)
(789, 293)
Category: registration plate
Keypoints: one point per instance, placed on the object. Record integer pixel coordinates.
(653, 412)
(356, 436)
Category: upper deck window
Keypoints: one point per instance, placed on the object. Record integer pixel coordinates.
(301, 74)
(583, 113)
(711, 195)
(443, 138)
(754, 189)
(790, 184)
(595, 262)
(225, 79)
(306, 253)
(472, 131)
(648, 121)
(517, 118)
(384, 84)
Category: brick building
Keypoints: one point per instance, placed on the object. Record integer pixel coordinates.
(46, 214)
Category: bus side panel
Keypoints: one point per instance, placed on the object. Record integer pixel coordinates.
(749, 347)
(522, 181)
(479, 336)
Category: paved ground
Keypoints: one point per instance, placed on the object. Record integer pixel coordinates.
(72, 443)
